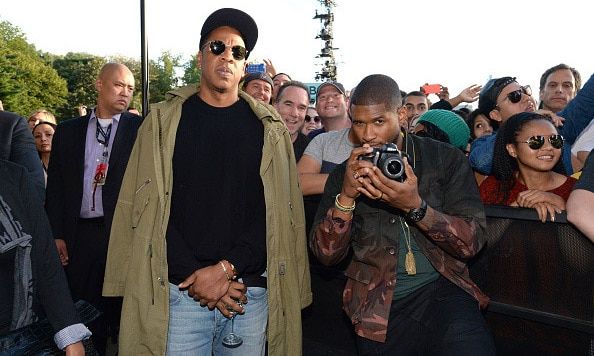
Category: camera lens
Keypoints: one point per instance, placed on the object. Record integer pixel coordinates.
(393, 168)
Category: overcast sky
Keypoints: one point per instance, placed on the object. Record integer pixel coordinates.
(455, 43)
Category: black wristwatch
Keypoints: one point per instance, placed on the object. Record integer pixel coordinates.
(417, 214)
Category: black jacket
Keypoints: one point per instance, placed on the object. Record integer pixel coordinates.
(17, 145)
(64, 189)
(50, 289)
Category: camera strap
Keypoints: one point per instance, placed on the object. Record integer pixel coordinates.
(414, 153)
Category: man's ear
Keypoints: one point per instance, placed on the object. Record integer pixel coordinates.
(402, 113)
(495, 115)
(98, 85)
(511, 150)
(199, 60)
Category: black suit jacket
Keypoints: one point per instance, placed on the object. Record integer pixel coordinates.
(17, 145)
(64, 189)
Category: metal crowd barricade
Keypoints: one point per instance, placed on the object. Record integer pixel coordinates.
(540, 278)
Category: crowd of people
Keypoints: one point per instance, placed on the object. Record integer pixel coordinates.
(234, 202)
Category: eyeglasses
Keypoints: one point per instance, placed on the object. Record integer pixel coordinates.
(219, 47)
(516, 95)
(536, 142)
(308, 118)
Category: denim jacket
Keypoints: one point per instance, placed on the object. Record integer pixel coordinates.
(578, 114)
(447, 184)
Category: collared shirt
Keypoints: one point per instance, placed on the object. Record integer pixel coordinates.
(93, 151)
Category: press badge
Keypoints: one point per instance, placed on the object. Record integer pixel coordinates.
(101, 169)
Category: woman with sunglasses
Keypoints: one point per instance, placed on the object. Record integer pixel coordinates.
(312, 121)
(526, 160)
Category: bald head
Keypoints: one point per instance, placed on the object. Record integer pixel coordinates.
(109, 69)
(115, 86)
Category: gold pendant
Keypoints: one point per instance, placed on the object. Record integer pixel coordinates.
(409, 264)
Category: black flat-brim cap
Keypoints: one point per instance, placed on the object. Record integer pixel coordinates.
(234, 18)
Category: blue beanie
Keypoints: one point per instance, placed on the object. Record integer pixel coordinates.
(450, 123)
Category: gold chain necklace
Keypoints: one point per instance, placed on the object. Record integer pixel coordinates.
(409, 260)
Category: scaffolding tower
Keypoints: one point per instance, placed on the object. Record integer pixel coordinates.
(326, 55)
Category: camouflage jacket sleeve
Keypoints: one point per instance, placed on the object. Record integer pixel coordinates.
(330, 240)
(455, 219)
(330, 236)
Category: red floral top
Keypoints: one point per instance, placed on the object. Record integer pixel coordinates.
(490, 190)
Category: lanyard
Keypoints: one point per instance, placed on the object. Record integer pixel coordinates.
(104, 133)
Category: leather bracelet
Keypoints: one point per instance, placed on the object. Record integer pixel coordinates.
(342, 208)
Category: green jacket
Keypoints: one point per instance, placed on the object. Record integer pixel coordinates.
(137, 256)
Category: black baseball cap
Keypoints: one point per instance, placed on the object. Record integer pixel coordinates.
(336, 85)
(234, 18)
(257, 76)
(490, 92)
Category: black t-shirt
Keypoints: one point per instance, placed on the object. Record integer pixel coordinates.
(217, 203)
(300, 145)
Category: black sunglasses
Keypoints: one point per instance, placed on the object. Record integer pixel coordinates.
(316, 119)
(536, 142)
(516, 95)
(219, 47)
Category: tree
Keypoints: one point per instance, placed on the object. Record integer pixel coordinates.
(80, 71)
(27, 82)
(191, 72)
(162, 76)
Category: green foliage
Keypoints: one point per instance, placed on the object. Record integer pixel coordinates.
(30, 80)
(191, 72)
(80, 71)
(162, 76)
(27, 82)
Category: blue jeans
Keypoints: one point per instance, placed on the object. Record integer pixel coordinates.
(195, 330)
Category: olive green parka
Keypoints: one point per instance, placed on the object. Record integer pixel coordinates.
(137, 257)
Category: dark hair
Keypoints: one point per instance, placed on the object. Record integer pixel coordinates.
(281, 73)
(434, 132)
(504, 165)
(576, 75)
(377, 89)
(472, 118)
(462, 112)
(414, 93)
(292, 83)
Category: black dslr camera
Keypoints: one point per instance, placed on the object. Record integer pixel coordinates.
(389, 159)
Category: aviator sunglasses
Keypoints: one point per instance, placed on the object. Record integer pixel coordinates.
(308, 118)
(536, 142)
(516, 95)
(218, 47)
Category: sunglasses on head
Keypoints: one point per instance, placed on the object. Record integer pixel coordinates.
(308, 118)
(536, 142)
(219, 47)
(516, 95)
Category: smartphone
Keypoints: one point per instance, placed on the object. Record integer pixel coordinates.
(256, 68)
(431, 88)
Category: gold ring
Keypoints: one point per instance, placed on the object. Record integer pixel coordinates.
(356, 175)
(380, 197)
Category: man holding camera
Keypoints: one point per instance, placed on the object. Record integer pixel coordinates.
(408, 288)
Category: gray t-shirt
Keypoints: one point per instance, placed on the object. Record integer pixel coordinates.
(330, 149)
